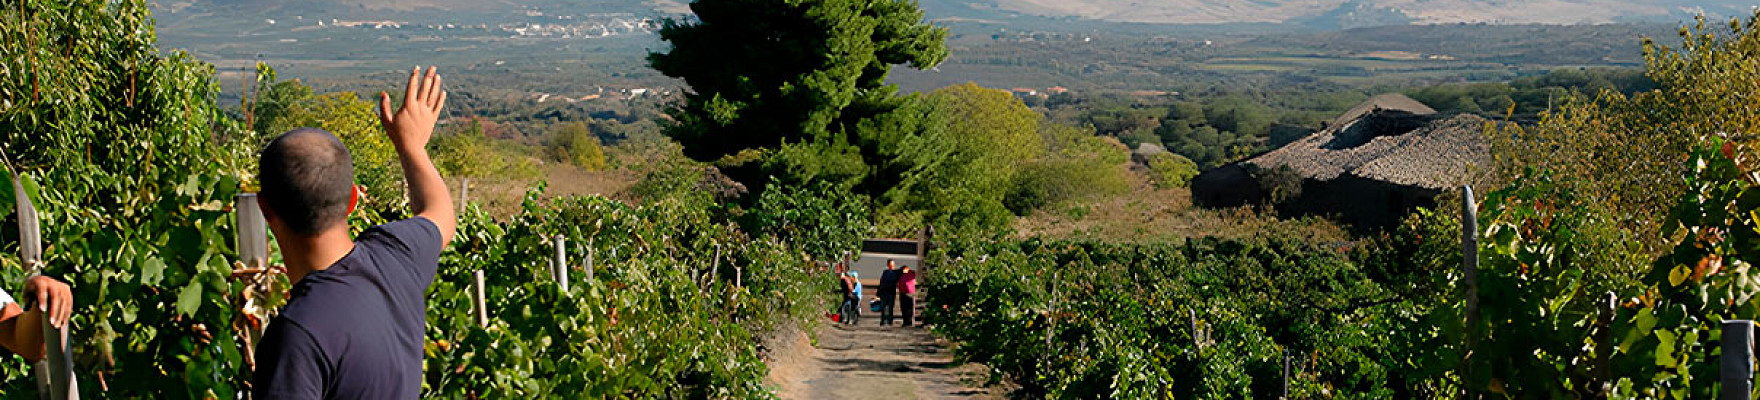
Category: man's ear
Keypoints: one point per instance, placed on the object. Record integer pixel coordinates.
(269, 217)
(354, 197)
(268, 214)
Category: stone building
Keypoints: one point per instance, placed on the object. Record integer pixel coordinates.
(1367, 168)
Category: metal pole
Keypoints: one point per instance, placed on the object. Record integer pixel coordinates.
(1737, 367)
(559, 268)
(590, 263)
(55, 371)
(1470, 276)
(252, 232)
(30, 238)
(251, 239)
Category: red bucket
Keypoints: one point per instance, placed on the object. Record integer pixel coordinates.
(836, 318)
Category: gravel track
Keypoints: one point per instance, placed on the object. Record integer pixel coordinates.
(868, 361)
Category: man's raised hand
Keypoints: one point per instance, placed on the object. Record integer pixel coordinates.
(413, 124)
(410, 128)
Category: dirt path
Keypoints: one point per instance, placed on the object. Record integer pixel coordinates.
(868, 361)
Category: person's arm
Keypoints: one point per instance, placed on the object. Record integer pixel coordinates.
(15, 333)
(22, 331)
(410, 128)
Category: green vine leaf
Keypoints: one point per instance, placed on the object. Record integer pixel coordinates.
(190, 298)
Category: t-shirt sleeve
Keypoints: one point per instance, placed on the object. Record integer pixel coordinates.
(6, 298)
(415, 241)
(290, 365)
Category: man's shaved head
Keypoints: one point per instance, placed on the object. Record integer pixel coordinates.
(308, 178)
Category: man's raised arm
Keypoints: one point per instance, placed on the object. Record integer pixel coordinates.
(410, 128)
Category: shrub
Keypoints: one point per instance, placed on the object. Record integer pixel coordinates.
(284, 106)
(468, 153)
(573, 143)
(1168, 170)
(1281, 184)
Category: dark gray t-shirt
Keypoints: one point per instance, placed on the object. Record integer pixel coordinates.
(355, 330)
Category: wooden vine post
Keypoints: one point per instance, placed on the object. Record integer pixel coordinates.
(55, 371)
(1197, 339)
(589, 264)
(464, 193)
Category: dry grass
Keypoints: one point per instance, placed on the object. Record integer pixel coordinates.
(501, 197)
(1150, 215)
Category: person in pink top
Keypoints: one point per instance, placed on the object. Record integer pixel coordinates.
(907, 286)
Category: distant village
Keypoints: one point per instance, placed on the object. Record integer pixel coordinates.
(605, 93)
(536, 25)
(1046, 93)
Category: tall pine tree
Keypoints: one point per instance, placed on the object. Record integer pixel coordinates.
(777, 87)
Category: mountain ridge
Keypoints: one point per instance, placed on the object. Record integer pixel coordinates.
(1328, 14)
(1347, 13)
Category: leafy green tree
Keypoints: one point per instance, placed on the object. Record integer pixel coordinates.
(951, 158)
(1079, 166)
(288, 105)
(1535, 94)
(1216, 134)
(469, 153)
(1240, 116)
(275, 99)
(790, 77)
(1189, 113)
(1138, 137)
(573, 143)
(1122, 120)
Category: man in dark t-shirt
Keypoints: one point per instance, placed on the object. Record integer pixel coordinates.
(888, 290)
(355, 318)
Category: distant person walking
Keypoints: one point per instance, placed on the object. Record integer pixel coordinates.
(852, 300)
(888, 290)
(907, 302)
(355, 318)
(844, 287)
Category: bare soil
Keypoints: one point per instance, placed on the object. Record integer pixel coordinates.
(869, 361)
